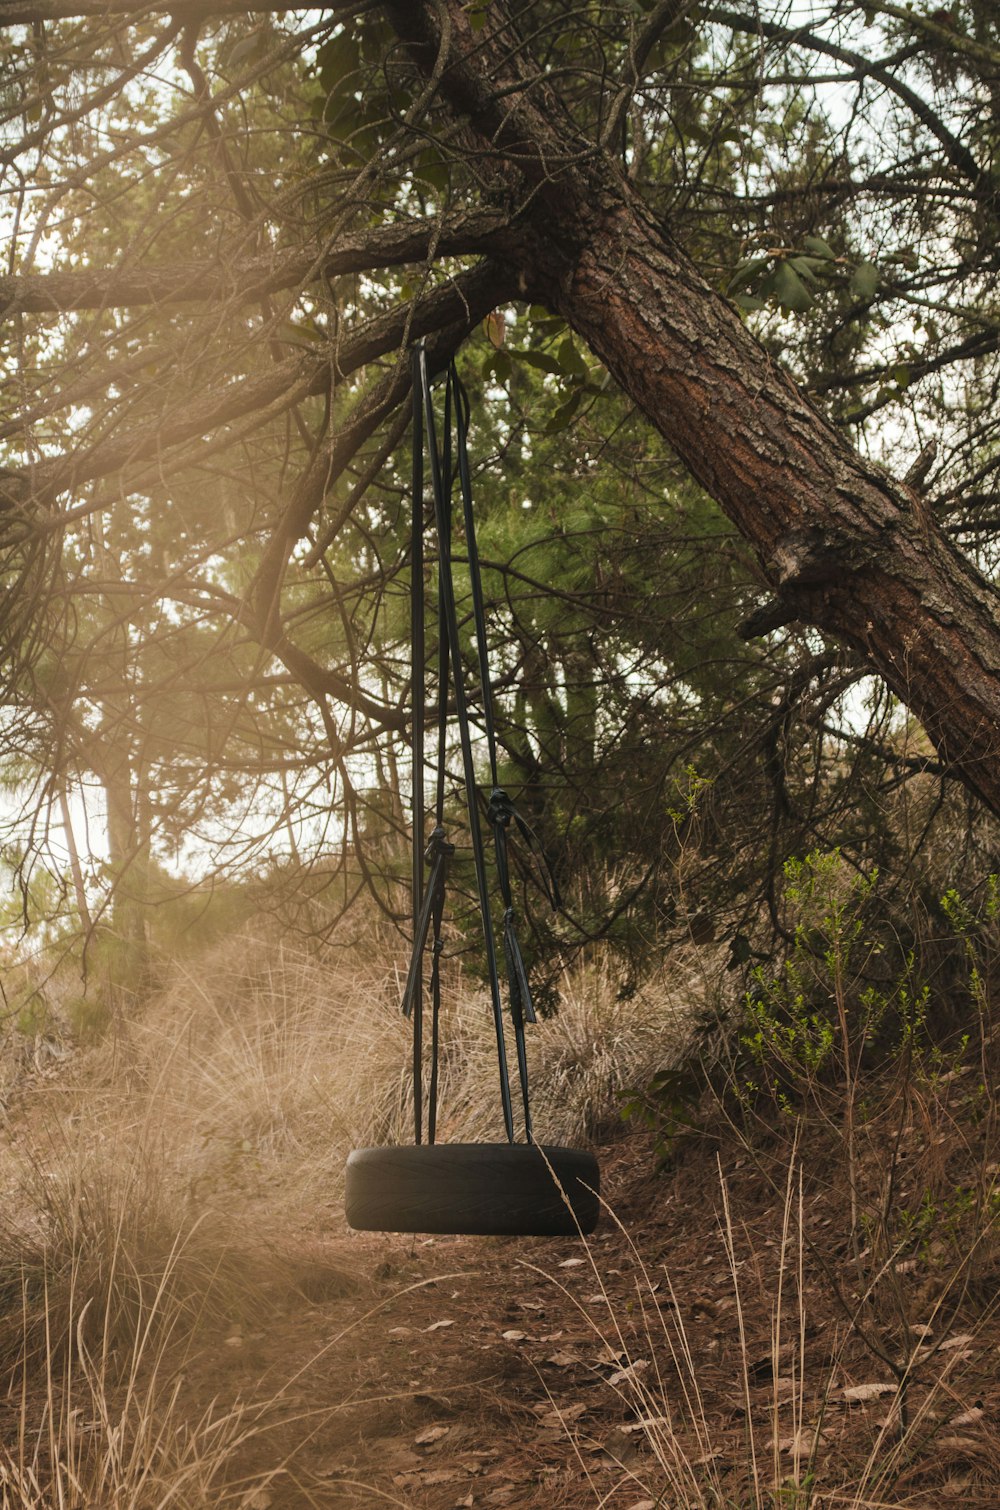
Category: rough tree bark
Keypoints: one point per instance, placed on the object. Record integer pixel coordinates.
(844, 546)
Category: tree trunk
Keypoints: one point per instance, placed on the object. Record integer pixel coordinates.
(75, 868)
(844, 546)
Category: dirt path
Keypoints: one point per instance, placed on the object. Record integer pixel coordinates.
(453, 1372)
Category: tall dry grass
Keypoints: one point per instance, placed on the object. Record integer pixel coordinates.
(261, 1065)
(797, 1445)
(155, 1184)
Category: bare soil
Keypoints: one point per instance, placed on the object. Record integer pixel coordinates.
(447, 1372)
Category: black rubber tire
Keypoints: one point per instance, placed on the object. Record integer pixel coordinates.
(479, 1189)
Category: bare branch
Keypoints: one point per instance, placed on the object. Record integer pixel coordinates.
(202, 283)
(468, 297)
(958, 155)
(27, 12)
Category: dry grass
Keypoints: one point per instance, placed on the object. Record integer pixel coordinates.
(262, 1066)
(168, 1185)
(808, 1431)
(227, 1108)
(103, 1417)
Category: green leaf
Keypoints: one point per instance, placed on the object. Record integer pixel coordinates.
(749, 302)
(337, 60)
(864, 281)
(901, 375)
(476, 12)
(746, 271)
(497, 364)
(807, 268)
(431, 168)
(819, 247)
(565, 414)
(789, 290)
(570, 360)
(540, 360)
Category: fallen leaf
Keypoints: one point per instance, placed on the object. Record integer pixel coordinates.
(512, 1472)
(257, 1499)
(400, 1331)
(562, 1416)
(644, 1423)
(564, 1360)
(961, 1341)
(514, 1336)
(571, 1263)
(968, 1417)
(442, 1476)
(868, 1391)
(436, 1326)
(627, 1374)
(800, 1444)
(431, 1434)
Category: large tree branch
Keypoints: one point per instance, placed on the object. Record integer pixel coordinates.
(850, 549)
(245, 281)
(273, 392)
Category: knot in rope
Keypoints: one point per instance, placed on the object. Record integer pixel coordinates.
(438, 847)
(500, 809)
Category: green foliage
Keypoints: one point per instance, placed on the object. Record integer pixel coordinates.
(668, 1107)
(148, 667)
(847, 1007)
(793, 280)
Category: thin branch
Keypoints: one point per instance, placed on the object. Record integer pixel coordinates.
(207, 283)
(277, 390)
(958, 155)
(27, 12)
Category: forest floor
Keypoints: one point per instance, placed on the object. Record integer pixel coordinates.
(187, 1322)
(677, 1358)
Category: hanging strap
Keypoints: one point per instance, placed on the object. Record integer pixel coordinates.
(500, 809)
(499, 797)
(413, 995)
(441, 481)
(428, 900)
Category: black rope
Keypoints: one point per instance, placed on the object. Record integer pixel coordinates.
(500, 809)
(449, 612)
(428, 899)
(413, 998)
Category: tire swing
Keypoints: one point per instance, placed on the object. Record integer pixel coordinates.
(481, 1189)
